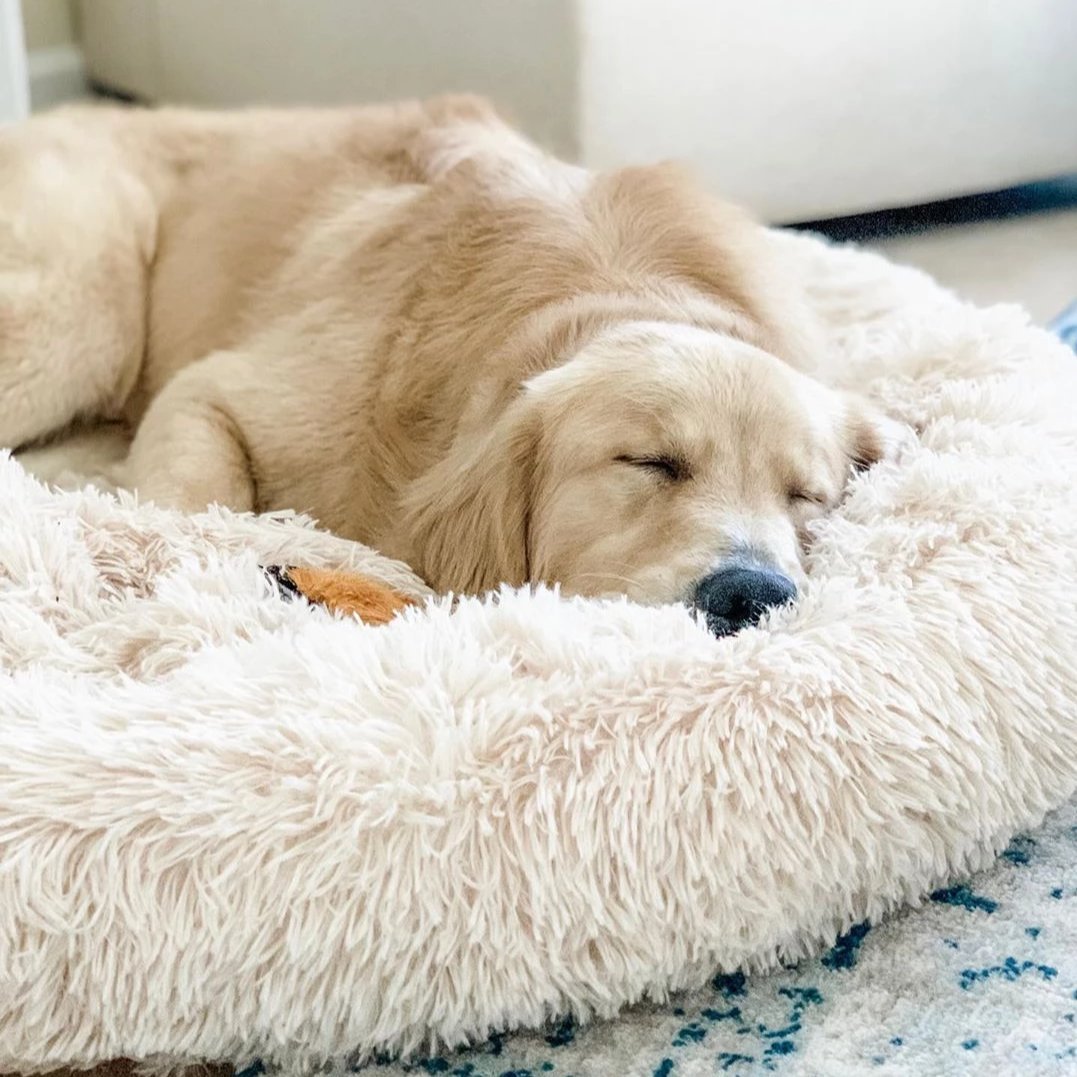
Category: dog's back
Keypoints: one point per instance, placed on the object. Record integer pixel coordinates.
(309, 309)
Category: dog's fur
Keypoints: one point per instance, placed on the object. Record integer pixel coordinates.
(411, 323)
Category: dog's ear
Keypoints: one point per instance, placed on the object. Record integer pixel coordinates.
(870, 436)
(468, 518)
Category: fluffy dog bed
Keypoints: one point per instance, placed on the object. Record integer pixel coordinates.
(233, 827)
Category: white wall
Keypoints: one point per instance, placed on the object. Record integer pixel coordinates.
(48, 23)
(14, 95)
(237, 52)
(54, 59)
(797, 108)
(803, 109)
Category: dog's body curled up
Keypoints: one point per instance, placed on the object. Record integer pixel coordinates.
(413, 324)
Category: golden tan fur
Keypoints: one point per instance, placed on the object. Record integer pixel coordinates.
(412, 324)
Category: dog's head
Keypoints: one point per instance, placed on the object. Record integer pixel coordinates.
(663, 462)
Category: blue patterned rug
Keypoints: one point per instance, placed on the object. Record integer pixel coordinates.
(1065, 325)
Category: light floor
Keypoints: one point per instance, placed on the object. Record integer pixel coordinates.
(1031, 260)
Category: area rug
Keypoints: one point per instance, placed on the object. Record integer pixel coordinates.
(1065, 325)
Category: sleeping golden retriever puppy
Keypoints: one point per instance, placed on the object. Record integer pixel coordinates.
(411, 323)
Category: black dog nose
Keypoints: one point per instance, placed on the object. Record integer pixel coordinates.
(733, 598)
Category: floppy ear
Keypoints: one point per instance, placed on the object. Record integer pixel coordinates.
(468, 518)
(870, 436)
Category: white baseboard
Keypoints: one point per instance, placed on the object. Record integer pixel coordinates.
(57, 74)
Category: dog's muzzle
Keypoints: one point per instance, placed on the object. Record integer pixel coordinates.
(735, 597)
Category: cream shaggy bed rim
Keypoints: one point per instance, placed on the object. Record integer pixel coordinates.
(233, 827)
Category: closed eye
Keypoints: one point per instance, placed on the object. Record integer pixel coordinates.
(808, 497)
(670, 468)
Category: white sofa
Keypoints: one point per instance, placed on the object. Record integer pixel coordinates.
(801, 110)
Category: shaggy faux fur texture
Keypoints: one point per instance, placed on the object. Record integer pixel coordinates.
(980, 981)
(233, 827)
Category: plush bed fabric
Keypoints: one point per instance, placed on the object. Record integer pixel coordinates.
(979, 981)
(232, 827)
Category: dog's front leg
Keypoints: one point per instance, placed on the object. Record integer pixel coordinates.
(190, 450)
